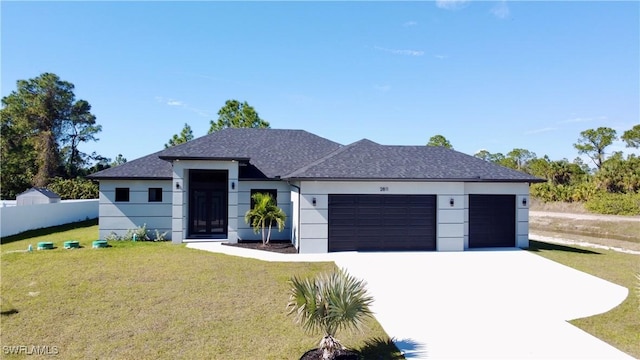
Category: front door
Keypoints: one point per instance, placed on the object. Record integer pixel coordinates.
(208, 196)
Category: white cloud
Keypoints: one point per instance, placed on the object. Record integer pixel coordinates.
(542, 130)
(501, 10)
(440, 57)
(174, 103)
(401, 52)
(451, 4)
(382, 88)
(182, 104)
(410, 23)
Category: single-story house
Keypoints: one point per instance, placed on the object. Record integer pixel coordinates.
(358, 197)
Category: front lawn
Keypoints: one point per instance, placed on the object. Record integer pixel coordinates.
(148, 300)
(619, 327)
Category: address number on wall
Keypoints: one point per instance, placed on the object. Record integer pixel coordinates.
(384, 188)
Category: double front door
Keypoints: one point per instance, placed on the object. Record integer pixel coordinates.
(208, 197)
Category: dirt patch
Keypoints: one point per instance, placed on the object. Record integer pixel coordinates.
(616, 232)
(278, 247)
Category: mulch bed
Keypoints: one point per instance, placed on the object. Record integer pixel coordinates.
(316, 354)
(279, 247)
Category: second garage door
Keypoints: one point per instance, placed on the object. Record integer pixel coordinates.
(492, 221)
(382, 222)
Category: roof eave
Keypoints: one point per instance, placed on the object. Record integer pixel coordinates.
(416, 179)
(209, 158)
(129, 178)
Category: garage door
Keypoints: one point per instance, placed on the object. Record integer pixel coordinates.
(382, 222)
(492, 221)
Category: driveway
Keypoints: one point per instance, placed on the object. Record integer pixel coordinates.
(507, 304)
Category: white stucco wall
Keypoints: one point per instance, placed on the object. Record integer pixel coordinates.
(520, 190)
(314, 219)
(180, 208)
(121, 216)
(452, 221)
(245, 232)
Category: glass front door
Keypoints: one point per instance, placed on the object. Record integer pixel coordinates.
(208, 203)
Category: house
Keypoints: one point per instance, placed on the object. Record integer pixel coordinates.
(35, 196)
(362, 196)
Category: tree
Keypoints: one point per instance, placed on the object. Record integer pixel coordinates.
(119, 160)
(632, 137)
(81, 127)
(40, 116)
(521, 157)
(593, 143)
(263, 215)
(237, 115)
(328, 303)
(439, 140)
(185, 135)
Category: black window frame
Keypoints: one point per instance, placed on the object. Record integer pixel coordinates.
(155, 194)
(122, 194)
(272, 192)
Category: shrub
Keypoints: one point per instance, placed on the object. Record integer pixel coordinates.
(614, 204)
(77, 188)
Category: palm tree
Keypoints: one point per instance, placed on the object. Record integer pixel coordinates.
(264, 214)
(328, 303)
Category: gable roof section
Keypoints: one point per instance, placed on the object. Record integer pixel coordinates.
(366, 159)
(36, 190)
(149, 167)
(270, 153)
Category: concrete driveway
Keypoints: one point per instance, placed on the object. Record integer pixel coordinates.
(507, 304)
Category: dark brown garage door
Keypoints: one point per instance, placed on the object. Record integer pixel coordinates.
(382, 222)
(492, 221)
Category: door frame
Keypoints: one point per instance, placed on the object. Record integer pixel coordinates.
(217, 183)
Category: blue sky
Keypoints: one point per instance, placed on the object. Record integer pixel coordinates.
(486, 75)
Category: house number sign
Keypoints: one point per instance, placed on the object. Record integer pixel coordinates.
(384, 188)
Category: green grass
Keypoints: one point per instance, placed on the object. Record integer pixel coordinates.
(149, 300)
(619, 327)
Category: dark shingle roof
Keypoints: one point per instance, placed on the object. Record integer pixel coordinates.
(366, 159)
(146, 167)
(297, 154)
(270, 152)
(46, 192)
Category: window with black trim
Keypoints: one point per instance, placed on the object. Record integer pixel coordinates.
(155, 194)
(122, 194)
(272, 192)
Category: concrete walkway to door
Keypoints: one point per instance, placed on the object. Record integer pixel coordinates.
(506, 304)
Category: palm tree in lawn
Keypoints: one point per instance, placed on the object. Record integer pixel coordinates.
(328, 303)
(263, 215)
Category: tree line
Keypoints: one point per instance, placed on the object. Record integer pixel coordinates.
(43, 125)
(612, 186)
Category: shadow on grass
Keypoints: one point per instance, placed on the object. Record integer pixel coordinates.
(389, 349)
(539, 245)
(48, 231)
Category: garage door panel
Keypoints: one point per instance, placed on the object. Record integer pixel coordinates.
(382, 222)
(492, 221)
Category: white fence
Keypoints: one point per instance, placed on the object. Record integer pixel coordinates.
(16, 219)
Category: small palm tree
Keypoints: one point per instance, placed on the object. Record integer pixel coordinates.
(264, 214)
(328, 303)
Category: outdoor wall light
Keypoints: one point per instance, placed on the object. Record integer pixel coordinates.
(314, 201)
(233, 185)
(177, 185)
(524, 201)
(451, 202)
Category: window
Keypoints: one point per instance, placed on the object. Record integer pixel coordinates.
(155, 194)
(272, 192)
(122, 194)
